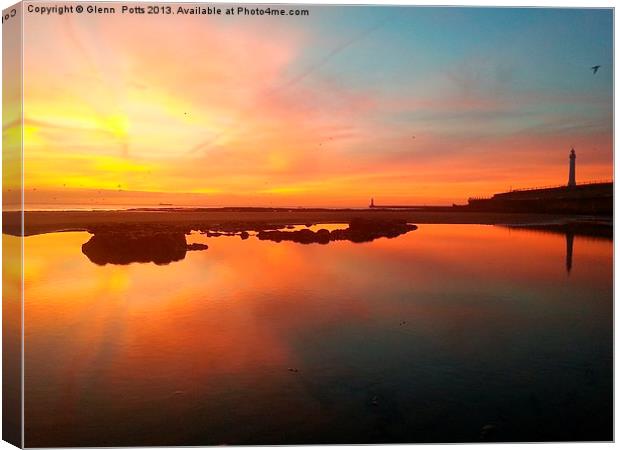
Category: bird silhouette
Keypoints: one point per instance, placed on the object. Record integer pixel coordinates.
(594, 69)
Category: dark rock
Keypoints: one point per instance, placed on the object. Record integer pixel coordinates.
(144, 246)
(359, 230)
(197, 247)
(322, 236)
(119, 247)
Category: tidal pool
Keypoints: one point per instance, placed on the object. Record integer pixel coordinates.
(449, 333)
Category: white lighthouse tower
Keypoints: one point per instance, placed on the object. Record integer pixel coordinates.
(571, 169)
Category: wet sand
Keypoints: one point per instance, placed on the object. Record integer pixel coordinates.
(227, 219)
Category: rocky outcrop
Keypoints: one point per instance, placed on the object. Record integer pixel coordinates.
(123, 247)
(126, 245)
(196, 247)
(359, 230)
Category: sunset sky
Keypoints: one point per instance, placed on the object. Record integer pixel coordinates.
(407, 105)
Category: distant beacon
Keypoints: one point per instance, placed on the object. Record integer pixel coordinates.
(372, 203)
(571, 169)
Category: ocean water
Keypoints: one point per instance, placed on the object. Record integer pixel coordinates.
(450, 333)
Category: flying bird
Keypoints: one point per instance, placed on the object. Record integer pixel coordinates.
(594, 69)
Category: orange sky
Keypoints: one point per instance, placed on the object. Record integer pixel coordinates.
(325, 110)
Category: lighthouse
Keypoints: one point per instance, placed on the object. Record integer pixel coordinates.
(571, 169)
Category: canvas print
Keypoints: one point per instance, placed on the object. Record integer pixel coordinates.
(234, 224)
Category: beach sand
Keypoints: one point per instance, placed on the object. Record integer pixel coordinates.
(38, 222)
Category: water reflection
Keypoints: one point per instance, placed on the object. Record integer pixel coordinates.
(591, 230)
(125, 246)
(449, 334)
(570, 238)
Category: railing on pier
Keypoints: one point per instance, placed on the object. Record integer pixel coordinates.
(538, 188)
(582, 183)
